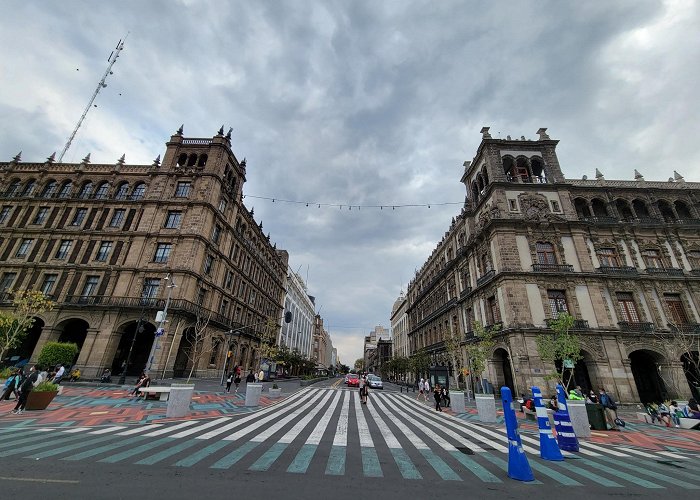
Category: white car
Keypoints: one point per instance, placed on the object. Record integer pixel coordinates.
(375, 382)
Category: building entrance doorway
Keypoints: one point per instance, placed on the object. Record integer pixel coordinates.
(74, 331)
(142, 341)
(504, 373)
(645, 369)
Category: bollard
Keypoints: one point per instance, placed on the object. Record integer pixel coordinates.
(565, 431)
(549, 449)
(518, 466)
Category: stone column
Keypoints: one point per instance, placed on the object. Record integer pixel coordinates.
(48, 334)
(90, 358)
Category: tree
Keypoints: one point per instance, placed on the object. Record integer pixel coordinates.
(478, 350)
(199, 340)
(452, 341)
(14, 325)
(420, 362)
(268, 337)
(561, 348)
(359, 364)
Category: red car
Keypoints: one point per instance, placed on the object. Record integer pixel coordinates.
(353, 380)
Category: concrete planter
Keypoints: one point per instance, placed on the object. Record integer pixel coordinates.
(275, 393)
(486, 406)
(457, 401)
(579, 418)
(179, 400)
(252, 394)
(39, 400)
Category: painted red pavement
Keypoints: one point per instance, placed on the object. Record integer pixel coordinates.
(89, 406)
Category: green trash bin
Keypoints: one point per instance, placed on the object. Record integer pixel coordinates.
(596, 416)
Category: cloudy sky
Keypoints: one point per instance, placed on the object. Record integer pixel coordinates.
(357, 103)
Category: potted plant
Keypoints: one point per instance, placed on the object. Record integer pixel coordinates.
(275, 390)
(41, 396)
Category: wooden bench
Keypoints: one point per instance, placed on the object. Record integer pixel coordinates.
(160, 393)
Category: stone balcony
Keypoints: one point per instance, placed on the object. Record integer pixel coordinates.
(627, 326)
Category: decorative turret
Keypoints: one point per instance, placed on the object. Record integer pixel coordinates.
(156, 162)
(51, 159)
(121, 161)
(598, 175)
(638, 176)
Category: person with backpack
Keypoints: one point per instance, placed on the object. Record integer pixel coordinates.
(229, 381)
(610, 408)
(24, 389)
(11, 385)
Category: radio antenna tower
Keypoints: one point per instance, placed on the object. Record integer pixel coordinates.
(102, 84)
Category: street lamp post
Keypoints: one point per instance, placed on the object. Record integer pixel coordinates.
(161, 325)
(139, 329)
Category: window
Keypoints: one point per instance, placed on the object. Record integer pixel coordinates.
(49, 190)
(117, 217)
(6, 283)
(63, 249)
(5, 213)
(150, 288)
(122, 190)
(608, 257)
(101, 192)
(138, 192)
(90, 286)
(215, 348)
(216, 234)
(492, 313)
(222, 205)
(208, 264)
(555, 206)
(693, 255)
(173, 220)
(48, 283)
(41, 215)
(675, 307)
(183, 189)
(65, 190)
(12, 189)
(23, 249)
(545, 253)
(201, 296)
(85, 191)
(162, 252)
(513, 205)
(228, 281)
(557, 302)
(652, 258)
(79, 216)
(29, 188)
(103, 251)
(628, 308)
(485, 264)
(223, 308)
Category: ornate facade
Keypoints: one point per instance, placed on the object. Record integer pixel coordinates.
(622, 257)
(114, 244)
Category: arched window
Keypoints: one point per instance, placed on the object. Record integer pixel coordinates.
(485, 175)
(29, 188)
(522, 169)
(182, 160)
(66, 189)
(599, 208)
(623, 208)
(582, 209)
(138, 192)
(102, 190)
(49, 189)
(192, 160)
(122, 191)
(537, 168)
(640, 208)
(202, 160)
(682, 210)
(545, 253)
(666, 211)
(509, 167)
(85, 191)
(12, 189)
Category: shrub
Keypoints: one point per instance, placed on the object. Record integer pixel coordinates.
(46, 386)
(54, 353)
(6, 372)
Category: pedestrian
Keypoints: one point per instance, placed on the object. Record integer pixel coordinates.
(11, 385)
(426, 390)
(25, 389)
(437, 394)
(676, 413)
(59, 374)
(237, 380)
(445, 396)
(261, 376)
(692, 409)
(141, 382)
(610, 408)
(592, 398)
(250, 378)
(363, 390)
(229, 381)
(664, 413)
(421, 387)
(106, 376)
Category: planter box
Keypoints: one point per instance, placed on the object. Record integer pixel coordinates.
(486, 406)
(579, 418)
(457, 401)
(275, 393)
(39, 400)
(179, 400)
(252, 394)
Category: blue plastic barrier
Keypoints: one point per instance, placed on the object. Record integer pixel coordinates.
(562, 422)
(518, 466)
(549, 449)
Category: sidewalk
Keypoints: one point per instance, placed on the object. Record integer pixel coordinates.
(91, 404)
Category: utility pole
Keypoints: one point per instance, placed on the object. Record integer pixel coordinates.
(163, 315)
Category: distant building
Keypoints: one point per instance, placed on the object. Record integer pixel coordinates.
(399, 327)
(322, 345)
(113, 244)
(298, 334)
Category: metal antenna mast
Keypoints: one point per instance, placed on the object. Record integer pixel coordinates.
(112, 59)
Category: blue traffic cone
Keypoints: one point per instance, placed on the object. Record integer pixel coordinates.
(549, 449)
(562, 422)
(518, 466)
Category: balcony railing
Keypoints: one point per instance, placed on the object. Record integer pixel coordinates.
(553, 268)
(695, 272)
(618, 270)
(646, 220)
(685, 328)
(579, 324)
(601, 219)
(668, 271)
(486, 277)
(627, 326)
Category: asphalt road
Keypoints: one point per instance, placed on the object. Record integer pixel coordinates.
(319, 443)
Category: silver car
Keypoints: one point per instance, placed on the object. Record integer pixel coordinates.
(375, 382)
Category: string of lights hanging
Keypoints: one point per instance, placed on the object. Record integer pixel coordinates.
(340, 206)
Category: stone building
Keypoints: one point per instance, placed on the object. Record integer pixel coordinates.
(399, 326)
(115, 244)
(322, 349)
(297, 335)
(622, 257)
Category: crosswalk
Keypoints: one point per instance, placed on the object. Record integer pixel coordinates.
(329, 432)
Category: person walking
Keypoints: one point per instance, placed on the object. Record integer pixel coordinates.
(610, 408)
(426, 390)
(421, 387)
(11, 386)
(437, 394)
(445, 396)
(237, 380)
(229, 381)
(60, 371)
(25, 389)
(250, 378)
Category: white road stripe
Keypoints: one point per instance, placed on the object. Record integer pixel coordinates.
(173, 428)
(137, 430)
(292, 434)
(384, 430)
(362, 429)
(603, 449)
(107, 430)
(75, 430)
(672, 455)
(211, 423)
(316, 435)
(341, 431)
(438, 439)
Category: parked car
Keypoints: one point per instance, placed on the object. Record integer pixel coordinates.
(353, 380)
(375, 382)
